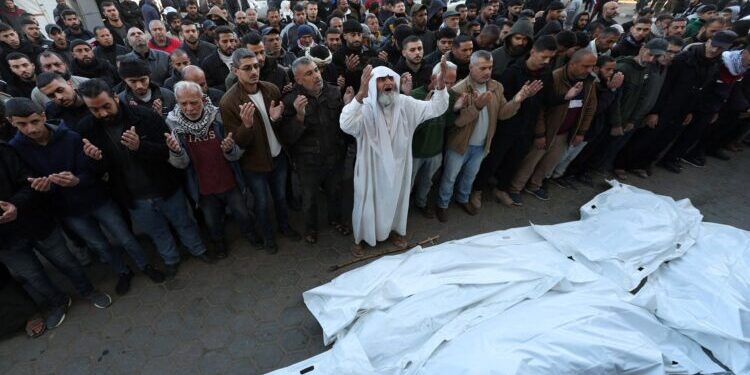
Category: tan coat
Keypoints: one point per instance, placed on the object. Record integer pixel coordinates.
(498, 109)
(254, 140)
(551, 118)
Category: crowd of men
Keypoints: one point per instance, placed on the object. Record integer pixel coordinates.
(176, 113)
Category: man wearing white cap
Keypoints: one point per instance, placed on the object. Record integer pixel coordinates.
(383, 122)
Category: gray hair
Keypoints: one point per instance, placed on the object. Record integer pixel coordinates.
(449, 66)
(187, 86)
(304, 60)
(239, 54)
(154, 22)
(481, 54)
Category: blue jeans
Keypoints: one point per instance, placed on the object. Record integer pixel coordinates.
(467, 165)
(154, 216)
(260, 183)
(20, 258)
(214, 210)
(422, 172)
(108, 216)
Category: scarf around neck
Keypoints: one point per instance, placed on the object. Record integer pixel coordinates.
(198, 128)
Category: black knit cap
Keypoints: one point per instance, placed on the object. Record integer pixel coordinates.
(352, 26)
(78, 42)
(132, 67)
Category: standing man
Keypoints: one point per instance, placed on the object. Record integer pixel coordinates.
(52, 62)
(116, 26)
(73, 28)
(460, 55)
(158, 61)
(352, 57)
(218, 63)
(516, 45)
(127, 143)
(140, 91)
(66, 106)
(412, 62)
(630, 44)
(85, 64)
(312, 111)
(23, 76)
(445, 38)
(196, 49)
(289, 33)
(272, 43)
(160, 40)
(383, 122)
(106, 48)
(250, 110)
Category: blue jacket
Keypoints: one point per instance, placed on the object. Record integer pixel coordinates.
(64, 152)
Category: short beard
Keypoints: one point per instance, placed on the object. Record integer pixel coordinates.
(386, 99)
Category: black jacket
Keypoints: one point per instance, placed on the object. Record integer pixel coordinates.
(272, 72)
(512, 79)
(33, 219)
(99, 68)
(152, 155)
(110, 53)
(428, 38)
(320, 134)
(115, 35)
(627, 46)
(422, 77)
(216, 71)
(28, 49)
(353, 78)
(71, 116)
(204, 50)
(463, 68)
(20, 88)
(607, 108)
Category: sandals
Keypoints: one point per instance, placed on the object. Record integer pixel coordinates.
(311, 237)
(344, 230)
(358, 250)
(35, 327)
(398, 241)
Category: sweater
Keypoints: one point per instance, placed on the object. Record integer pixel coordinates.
(429, 138)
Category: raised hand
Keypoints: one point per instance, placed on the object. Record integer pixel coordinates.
(157, 106)
(461, 102)
(287, 88)
(365, 83)
(440, 84)
(351, 62)
(574, 91)
(172, 143)
(91, 150)
(528, 90)
(130, 139)
(276, 110)
(300, 106)
(483, 99)
(651, 120)
(348, 95)
(616, 81)
(406, 83)
(9, 211)
(227, 144)
(540, 143)
(40, 183)
(247, 110)
(64, 179)
(383, 55)
(341, 82)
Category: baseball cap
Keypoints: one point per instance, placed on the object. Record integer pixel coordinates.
(450, 13)
(270, 30)
(52, 28)
(208, 24)
(723, 39)
(657, 46)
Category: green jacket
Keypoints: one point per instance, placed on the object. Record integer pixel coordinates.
(429, 138)
(692, 28)
(632, 87)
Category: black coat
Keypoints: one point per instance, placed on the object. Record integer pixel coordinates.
(354, 77)
(115, 36)
(152, 155)
(512, 79)
(216, 71)
(28, 49)
(204, 50)
(110, 53)
(422, 77)
(99, 68)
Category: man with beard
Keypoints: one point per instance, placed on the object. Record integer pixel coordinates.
(241, 27)
(514, 8)
(60, 43)
(383, 122)
(195, 74)
(270, 71)
(23, 79)
(192, 13)
(84, 64)
(707, 31)
(419, 28)
(196, 49)
(160, 41)
(273, 17)
(460, 55)
(199, 143)
(602, 44)
(33, 35)
(219, 62)
(173, 21)
(610, 10)
(352, 57)
(305, 40)
(487, 38)
(272, 43)
(52, 62)
(289, 33)
(560, 123)
(333, 40)
(179, 60)
(677, 27)
(131, 14)
(252, 20)
(316, 144)
(158, 61)
(630, 43)
(106, 49)
(311, 12)
(10, 42)
(474, 129)
(252, 111)
(515, 134)
(445, 38)
(411, 62)
(65, 104)
(553, 13)
(139, 91)
(73, 28)
(127, 143)
(116, 26)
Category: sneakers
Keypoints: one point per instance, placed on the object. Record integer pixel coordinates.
(540, 193)
(441, 214)
(100, 300)
(476, 200)
(291, 234)
(56, 315)
(170, 270)
(123, 283)
(516, 198)
(220, 249)
(469, 208)
(671, 165)
(695, 161)
(155, 275)
(503, 197)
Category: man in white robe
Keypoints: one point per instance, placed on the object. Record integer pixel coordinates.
(383, 121)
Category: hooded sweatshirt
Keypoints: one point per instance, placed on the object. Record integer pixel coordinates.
(503, 57)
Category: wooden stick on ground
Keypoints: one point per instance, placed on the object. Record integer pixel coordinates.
(428, 240)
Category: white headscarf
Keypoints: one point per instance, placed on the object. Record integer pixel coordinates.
(378, 133)
(733, 62)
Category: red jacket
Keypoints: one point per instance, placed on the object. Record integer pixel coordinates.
(172, 44)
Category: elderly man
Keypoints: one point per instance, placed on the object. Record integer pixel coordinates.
(383, 123)
(199, 143)
(159, 38)
(158, 61)
(195, 74)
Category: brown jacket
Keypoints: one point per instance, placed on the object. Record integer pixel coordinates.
(551, 118)
(498, 109)
(253, 140)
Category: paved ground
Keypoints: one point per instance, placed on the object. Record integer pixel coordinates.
(245, 315)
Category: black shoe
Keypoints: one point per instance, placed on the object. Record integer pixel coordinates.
(516, 198)
(206, 258)
(427, 211)
(220, 249)
(441, 214)
(540, 193)
(670, 165)
(56, 315)
(271, 247)
(291, 234)
(254, 240)
(155, 275)
(123, 283)
(695, 161)
(170, 270)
